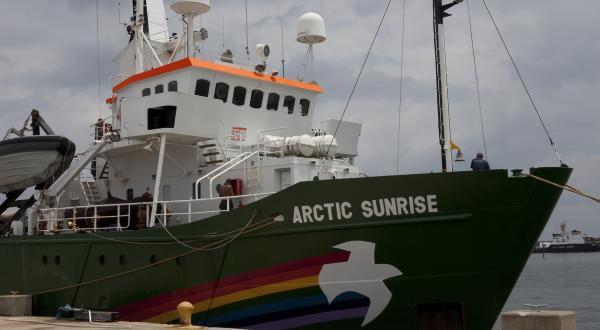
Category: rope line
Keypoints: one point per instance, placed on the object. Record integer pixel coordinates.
(66, 325)
(401, 86)
(387, 7)
(523, 83)
(476, 71)
(565, 187)
(254, 214)
(204, 237)
(208, 247)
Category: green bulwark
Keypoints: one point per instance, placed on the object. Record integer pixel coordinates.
(384, 253)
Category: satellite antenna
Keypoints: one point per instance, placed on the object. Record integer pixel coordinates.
(189, 9)
(311, 30)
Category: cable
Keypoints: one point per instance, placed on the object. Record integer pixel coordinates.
(254, 214)
(204, 237)
(73, 325)
(565, 187)
(208, 247)
(523, 83)
(477, 81)
(98, 61)
(359, 75)
(247, 34)
(401, 83)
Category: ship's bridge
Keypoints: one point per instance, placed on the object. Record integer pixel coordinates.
(194, 100)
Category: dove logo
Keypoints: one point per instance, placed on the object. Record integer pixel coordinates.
(359, 274)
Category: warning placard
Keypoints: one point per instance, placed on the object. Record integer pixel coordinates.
(238, 134)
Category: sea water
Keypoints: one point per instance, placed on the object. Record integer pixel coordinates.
(563, 281)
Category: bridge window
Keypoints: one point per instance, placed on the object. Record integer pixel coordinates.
(305, 104)
(289, 102)
(256, 99)
(162, 117)
(239, 95)
(172, 86)
(146, 92)
(273, 101)
(202, 87)
(159, 89)
(221, 91)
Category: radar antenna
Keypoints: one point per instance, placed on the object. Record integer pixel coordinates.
(311, 30)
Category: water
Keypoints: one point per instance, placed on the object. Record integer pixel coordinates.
(564, 281)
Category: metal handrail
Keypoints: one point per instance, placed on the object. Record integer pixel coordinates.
(235, 161)
(60, 219)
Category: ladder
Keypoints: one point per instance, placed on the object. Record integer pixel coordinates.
(210, 152)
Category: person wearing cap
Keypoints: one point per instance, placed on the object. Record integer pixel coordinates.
(479, 164)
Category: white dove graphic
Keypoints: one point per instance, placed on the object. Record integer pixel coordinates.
(359, 274)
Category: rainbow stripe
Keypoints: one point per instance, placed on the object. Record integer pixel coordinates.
(283, 296)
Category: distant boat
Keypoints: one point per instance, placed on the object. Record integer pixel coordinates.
(575, 241)
(31, 160)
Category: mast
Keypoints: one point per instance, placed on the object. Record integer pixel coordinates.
(439, 13)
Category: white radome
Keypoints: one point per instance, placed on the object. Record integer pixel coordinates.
(311, 29)
(191, 7)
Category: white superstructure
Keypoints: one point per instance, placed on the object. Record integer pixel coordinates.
(187, 125)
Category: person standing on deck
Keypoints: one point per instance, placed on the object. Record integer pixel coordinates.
(225, 190)
(479, 164)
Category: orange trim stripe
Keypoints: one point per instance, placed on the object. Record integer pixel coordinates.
(192, 62)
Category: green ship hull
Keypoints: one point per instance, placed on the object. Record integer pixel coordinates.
(383, 253)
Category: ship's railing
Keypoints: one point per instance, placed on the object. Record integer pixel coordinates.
(221, 170)
(124, 216)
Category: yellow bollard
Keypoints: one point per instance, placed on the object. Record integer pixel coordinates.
(185, 310)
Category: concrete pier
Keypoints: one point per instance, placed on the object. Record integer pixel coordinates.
(534, 320)
(50, 323)
(15, 305)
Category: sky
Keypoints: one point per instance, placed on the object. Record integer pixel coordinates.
(49, 60)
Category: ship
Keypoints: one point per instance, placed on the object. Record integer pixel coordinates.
(208, 182)
(563, 241)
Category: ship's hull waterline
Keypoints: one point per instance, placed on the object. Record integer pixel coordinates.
(445, 246)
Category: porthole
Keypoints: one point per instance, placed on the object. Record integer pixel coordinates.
(122, 260)
(45, 260)
(57, 260)
(179, 261)
(102, 260)
(153, 259)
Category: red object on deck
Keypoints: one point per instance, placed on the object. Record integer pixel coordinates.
(238, 186)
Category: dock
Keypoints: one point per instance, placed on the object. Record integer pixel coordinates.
(50, 323)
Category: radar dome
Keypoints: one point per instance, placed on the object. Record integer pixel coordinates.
(311, 29)
(191, 7)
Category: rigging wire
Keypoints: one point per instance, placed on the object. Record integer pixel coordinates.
(523, 83)
(477, 81)
(401, 85)
(247, 34)
(98, 61)
(387, 7)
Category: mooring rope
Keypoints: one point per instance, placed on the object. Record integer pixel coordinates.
(565, 187)
(208, 247)
(203, 237)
